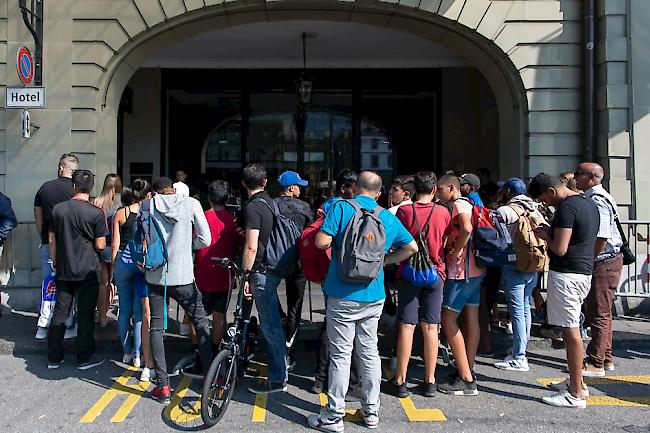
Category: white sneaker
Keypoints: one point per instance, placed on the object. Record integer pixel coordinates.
(564, 385)
(371, 420)
(136, 362)
(70, 332)
(147, 375)
(324, 424)
(41, 333)
(513, 364)
(565, 399)
(393, 363)
(127, 358)
(185, 329)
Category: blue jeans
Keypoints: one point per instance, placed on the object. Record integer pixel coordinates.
(47, 270)
(46, 261)
(265, 291)
(518, 287)
(129, 280)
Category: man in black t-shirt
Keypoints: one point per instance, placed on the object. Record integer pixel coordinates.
(263, 284)
(49, 195)
(76, 236)
(571, 242)
(299, 211)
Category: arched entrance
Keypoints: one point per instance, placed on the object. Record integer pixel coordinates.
(489, 61)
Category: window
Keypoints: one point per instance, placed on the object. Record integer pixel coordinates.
(374, 145)
(374, 161)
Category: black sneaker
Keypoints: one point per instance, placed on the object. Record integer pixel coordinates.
(51, 365)
(453, 376)
(401, 390)
(94, 361)
(318, 386)
(428, 389)
(268, 387)
(459, 387)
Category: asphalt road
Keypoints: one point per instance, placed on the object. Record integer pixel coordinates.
(34, 399)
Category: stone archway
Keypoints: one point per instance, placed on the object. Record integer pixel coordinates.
(470, 30)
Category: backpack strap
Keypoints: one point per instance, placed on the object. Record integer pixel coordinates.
(415, 218)
(616, 219)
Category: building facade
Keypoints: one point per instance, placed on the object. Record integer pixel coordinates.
(144, 87)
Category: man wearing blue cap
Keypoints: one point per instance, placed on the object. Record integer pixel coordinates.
(517, 285)
(299, 211)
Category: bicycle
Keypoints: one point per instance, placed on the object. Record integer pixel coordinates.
(237, 348)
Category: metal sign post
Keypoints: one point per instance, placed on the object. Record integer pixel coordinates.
(33, 19)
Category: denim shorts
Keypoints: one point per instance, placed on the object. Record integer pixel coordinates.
(461, 293)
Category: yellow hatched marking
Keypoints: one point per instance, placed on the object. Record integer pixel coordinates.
(643, 379)
(173, 411)
(119, 387)
(605, 400)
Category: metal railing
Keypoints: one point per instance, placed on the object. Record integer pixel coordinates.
(635, 278)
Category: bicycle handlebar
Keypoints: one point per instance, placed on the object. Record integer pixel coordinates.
(225, 262)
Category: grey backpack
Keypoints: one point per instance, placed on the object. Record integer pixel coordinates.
(361, 255)
(281, 253)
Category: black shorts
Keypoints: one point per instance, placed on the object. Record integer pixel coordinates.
(215, 302)
(416, 304)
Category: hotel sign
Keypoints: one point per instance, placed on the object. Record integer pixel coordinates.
(25, 97)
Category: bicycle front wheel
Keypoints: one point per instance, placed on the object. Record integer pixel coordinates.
(218, 387)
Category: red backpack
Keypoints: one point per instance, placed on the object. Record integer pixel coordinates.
(315, 262)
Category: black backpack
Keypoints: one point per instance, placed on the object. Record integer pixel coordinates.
(281, 253)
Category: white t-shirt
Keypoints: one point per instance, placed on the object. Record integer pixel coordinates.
(182, 189)
(393, 209)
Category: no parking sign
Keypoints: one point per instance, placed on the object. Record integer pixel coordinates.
(25, 65)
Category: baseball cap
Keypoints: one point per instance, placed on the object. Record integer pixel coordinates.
(470, 179)
(289, 178)
(515, 185)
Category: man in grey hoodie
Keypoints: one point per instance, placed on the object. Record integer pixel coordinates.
(178, 217)
(518, 286)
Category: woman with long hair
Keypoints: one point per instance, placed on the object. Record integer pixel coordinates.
(109, 201)
(131, 283)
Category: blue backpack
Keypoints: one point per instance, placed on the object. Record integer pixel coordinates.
(147, 245)
(419, 270)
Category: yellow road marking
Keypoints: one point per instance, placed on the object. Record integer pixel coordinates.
(351, 415)
(173, 411)
(119, 387)
(413, 413)
(643, 379)
(259, 409)
(605, 400)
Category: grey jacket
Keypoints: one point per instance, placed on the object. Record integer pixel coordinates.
(178, 217)
(510, 216)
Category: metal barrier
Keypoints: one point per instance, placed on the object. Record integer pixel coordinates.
(635, 278)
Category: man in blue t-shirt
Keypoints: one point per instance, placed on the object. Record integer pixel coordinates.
(353, 309)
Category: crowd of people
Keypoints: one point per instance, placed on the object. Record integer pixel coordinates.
(425, 237)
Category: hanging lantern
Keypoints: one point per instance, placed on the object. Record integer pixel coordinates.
(304, 89)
